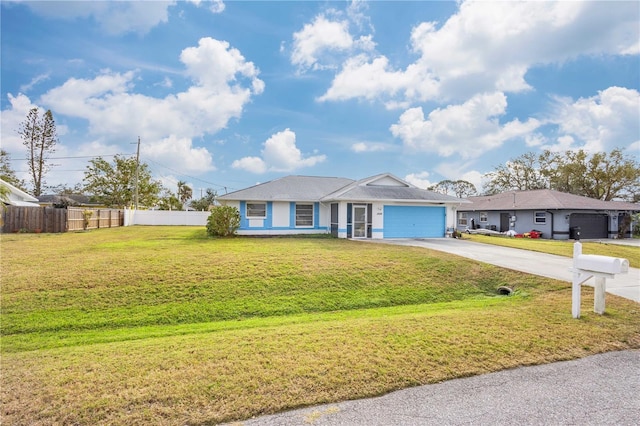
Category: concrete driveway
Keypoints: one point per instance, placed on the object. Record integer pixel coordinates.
(546, 265)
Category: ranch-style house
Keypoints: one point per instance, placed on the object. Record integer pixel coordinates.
(557, 215)
(381, 206)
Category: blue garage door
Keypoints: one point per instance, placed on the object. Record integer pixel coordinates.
(414, 222)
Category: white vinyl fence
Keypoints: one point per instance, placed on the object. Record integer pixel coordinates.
(164, 217)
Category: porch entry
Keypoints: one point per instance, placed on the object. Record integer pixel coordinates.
(504, 222)
(359, 221)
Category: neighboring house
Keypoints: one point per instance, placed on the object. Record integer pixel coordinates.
(72, 200)
(17, 197)
(381, 206)
(556, 214)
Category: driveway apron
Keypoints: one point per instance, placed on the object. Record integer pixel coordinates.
(545, 265)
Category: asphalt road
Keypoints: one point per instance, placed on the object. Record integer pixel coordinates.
(598, 390)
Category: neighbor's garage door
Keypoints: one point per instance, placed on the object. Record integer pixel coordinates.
(413, 222)
(591, 225)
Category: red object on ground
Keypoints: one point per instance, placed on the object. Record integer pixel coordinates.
(534, 234)
(519, 236)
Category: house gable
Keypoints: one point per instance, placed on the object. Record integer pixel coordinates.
(385, 180)
(18, 197)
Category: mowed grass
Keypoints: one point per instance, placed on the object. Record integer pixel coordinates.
(563, 248)
(162, 325)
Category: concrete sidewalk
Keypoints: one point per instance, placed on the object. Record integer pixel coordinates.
(597, 390)
(546, 265)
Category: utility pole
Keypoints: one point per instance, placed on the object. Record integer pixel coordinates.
(137, 172)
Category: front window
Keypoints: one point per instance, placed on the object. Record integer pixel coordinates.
(484, 217)
(304, 215)
(462, 218)
(257, 210)
(540, 218)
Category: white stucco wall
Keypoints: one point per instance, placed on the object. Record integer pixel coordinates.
(280, 214)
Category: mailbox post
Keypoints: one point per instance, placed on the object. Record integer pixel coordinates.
(586, 266)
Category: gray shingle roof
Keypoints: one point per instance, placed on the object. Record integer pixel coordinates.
(382, 187)
(542, 199)
(390, 193)
(290, 188)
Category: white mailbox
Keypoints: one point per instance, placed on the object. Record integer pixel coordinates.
(602, 264)
(586, 266)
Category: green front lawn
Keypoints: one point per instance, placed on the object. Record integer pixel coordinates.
(562, 248)
(162, 325)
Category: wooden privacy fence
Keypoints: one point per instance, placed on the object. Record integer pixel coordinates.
(51, 219)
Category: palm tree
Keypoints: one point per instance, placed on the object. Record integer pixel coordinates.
(184, 193)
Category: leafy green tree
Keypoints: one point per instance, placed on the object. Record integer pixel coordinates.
(114, 184)
(519, 174)
(184, 193)
(7, 173)
(459, 188)
(224, 221)
(205, 202)
(40, 137)
(169, 201)
(4, 193)
(4, 196)
(605, 176)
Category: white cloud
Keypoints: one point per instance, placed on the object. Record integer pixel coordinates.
(11, 119)
(535, 139)
(216, 65)
(468, 129)
(598, 123)
(113, 17)
(315, 43)
(118, 17)
(34, 81)
(475, 177)
(490, 46)
(251, 164)
(421, 179)
(224, 83)
(319, 36)
(173, 150)
(215, 6)
(634, 148)
(280, 154)
(364, 79)
(359, 147)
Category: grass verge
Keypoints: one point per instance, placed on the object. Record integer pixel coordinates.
(562, 248)
(99, 328)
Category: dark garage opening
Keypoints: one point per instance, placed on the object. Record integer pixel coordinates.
(592, 225)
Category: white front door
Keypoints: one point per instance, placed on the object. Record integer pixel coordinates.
(360, 221)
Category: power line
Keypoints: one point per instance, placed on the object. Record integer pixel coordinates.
(188, 176)
(73, 157)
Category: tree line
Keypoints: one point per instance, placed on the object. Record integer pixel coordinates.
(606, 176)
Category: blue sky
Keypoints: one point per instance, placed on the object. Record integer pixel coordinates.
(224, 95)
